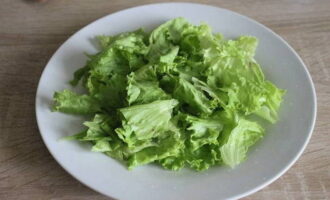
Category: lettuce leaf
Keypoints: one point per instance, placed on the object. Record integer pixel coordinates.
(242, 136)
(204, 131)
(142, 123)
(70, 102)
(187, 93)
(143, 87)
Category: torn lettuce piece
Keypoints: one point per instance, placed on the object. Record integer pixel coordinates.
(204, 157)
(146, 121)
(269, 108)
(109, 93)
(72, 103)
(170, 146)
(204, 131)
(187, 93)
(123, 39)
(240, 136)
(143, 90)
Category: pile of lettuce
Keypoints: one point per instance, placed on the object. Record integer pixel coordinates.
(179, 96)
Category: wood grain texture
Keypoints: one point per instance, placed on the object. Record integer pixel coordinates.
(31, 32)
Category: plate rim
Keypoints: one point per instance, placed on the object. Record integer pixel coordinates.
(238, 196)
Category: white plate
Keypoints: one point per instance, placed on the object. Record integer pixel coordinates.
(283, 144)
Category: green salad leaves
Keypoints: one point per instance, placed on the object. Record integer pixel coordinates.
(179, 96)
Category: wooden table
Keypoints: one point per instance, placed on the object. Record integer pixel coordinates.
(30, 33)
